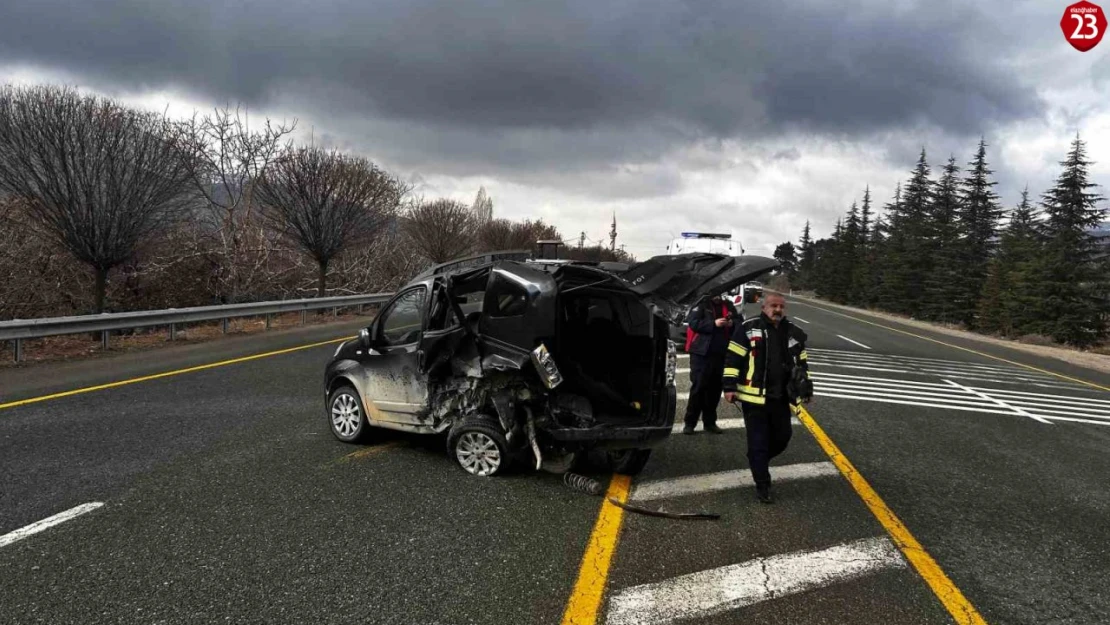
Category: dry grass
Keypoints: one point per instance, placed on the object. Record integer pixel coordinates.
(81, 346)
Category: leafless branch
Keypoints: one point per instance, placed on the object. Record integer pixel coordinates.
(441, 230)
(326, 201)
(97, 177)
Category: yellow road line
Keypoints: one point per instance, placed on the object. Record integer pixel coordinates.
(966, 349)
(146, 378)
(954, 601)
(589, 590)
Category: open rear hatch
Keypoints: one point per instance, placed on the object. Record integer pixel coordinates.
(675, 283)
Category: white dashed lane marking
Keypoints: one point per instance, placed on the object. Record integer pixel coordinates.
(47, 523)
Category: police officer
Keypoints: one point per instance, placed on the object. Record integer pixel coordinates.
(766, 370)
(711, 321)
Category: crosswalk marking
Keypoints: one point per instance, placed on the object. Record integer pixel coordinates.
(853, 342)
(726, 480)
(913, 365)
(950, 395)
(999, 402)
(705, 593)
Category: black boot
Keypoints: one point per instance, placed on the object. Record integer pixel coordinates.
(763, 493)
(714, 429)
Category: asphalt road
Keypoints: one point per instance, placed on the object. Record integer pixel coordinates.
(226, 499)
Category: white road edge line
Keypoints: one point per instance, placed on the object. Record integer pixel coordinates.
(999, 402)
(799, 319)
(853, 342)
(726, 480)
(47, 523)
(705, 593)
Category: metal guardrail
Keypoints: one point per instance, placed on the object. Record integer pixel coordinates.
(18, 330)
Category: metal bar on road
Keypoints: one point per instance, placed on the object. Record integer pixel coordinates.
(18, 350)
(173, 331)
(269, 321)
(223, 324)
(104, 339)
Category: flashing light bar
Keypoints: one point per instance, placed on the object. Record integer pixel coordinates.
(705, 235)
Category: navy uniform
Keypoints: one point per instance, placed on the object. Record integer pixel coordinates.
(707, 361)
(767, 369)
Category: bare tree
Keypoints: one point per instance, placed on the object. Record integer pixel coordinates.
(503, 234)
(325, 201)
(441, 230)
(97, 177)
(483, 207)
(226, 158)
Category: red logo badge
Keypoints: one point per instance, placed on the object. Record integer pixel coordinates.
(1083, 24)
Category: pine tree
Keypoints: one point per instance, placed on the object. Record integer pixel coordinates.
(1011, 292)
(889, 277)
(849, 255)
(865, 215)
(944, 289)
(829, 276)
(907, 261)
(1074, 302)
(863, 280)
(979, 217)
(787, 256)
(807, 259)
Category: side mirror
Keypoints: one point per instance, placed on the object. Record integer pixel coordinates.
(364, 338)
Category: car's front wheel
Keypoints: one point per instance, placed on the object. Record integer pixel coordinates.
(629, 461)
(478, 447)
(346, 415)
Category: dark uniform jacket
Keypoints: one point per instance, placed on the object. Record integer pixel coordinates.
(707, 335)
(746, 363)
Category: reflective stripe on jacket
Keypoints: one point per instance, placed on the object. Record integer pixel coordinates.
(746, 361)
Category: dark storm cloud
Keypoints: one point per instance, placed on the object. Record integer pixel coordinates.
(700, 69)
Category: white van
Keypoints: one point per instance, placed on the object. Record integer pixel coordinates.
(706, 243)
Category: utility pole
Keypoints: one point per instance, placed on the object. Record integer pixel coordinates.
(613, 234)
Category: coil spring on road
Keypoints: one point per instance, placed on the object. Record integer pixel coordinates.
(582, 483)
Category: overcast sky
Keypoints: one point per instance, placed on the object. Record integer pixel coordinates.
(707, 115)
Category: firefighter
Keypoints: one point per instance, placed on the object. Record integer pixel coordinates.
(767, 371)
(710, 323)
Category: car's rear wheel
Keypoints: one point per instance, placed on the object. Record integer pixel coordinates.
(347, 416)
(478, 447)
(629, 461)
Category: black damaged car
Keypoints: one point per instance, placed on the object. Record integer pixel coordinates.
(516, 358)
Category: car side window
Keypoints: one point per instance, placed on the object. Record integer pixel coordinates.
(506, 298)
(402, 322)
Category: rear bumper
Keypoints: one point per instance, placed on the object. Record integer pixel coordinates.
(613, 437)
(608, 436)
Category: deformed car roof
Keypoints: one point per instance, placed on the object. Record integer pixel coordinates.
(672, 283)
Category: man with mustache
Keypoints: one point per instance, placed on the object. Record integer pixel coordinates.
(766, 370)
